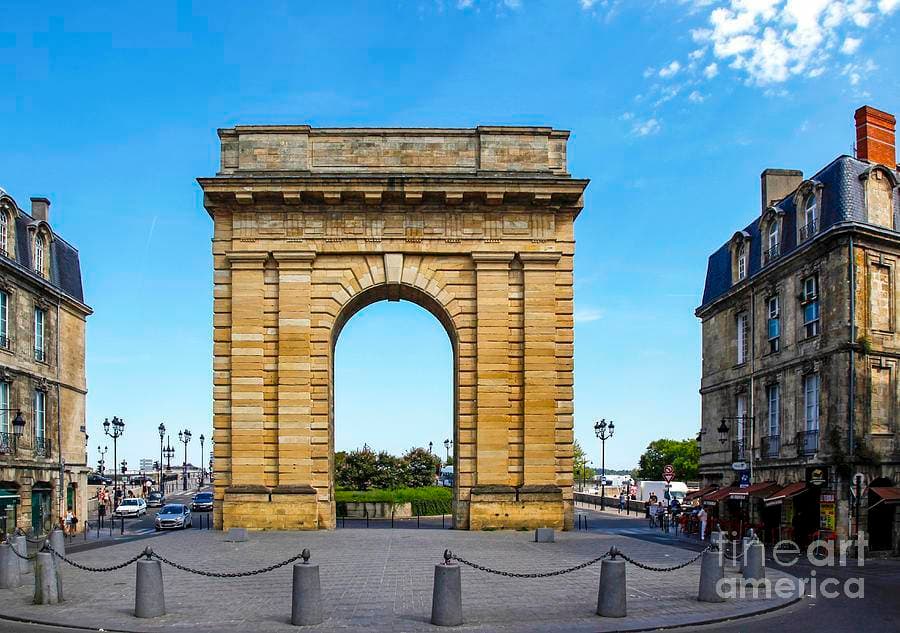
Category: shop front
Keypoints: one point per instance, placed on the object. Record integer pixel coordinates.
(792, 513)
(884, 518)
(748, 506)
(9, 508)
(41, 511)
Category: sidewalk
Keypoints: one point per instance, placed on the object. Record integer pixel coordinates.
(381, 580)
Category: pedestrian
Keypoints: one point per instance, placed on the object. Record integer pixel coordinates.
(70, 523)
(621, 501)
(702, 516)
(101, 511)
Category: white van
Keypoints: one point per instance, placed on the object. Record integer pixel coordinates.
(676, 490)
(446, 477)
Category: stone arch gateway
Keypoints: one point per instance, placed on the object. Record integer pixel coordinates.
(474, 225)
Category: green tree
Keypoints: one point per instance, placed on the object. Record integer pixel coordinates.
(358, 469)
(580, 470)
(421, 467)
(389, 472)
(684, 455)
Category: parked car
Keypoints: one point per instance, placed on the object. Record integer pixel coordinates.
(174, 516)
(156, 499)
(133, 507)
(98, 480)
(202, 502)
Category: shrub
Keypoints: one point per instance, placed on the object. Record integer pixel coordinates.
(425, 501)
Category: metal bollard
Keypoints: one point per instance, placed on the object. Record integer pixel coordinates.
(611, 597)
(755, 561)
(544, 535)
(58, 542)
(47, 583)
(20, 544)
(711, 572)
(446, 598)
(306, 595)
(149, 598)
(9, 568)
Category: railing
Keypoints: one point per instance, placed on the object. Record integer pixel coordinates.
(771, 253)
(808, 230)
(771, 446)
(4, 341)
(39, 354)
(41, 447)
(7, 442)
(808, 442)
(740, 450)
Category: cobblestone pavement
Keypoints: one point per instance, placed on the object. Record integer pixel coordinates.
(381, 580)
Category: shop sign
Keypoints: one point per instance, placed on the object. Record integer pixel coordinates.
(744, 479)
(816, 476)
(739, 466)
(826, 511)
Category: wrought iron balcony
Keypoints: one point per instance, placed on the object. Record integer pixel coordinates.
(4, 341)
(7, 443)
(41, 447)
(771, 254)
(771, 446)
(740, 451)
(807, 443)
(807, 230)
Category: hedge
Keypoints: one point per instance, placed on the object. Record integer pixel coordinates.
(426, 501)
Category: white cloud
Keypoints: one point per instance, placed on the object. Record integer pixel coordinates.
(512, 4)
(696, 97)
(850, 45)
(464, 4)
(587, 4)
(711, 71)
(627, 116)
(670, 70)
(888, 6)
(697, 54)
(646, 128)
(586, 315)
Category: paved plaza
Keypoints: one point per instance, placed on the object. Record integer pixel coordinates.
(381, 580)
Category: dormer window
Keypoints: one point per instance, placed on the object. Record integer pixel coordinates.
(742, 262)
(40, 248)
(810, 217)
(773, 248)
(4, 233)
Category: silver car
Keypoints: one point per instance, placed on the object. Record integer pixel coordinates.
(174, 516)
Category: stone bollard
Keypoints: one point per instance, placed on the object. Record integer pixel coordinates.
(47, 583)
(446, 599)
(149, 597)
(711, 572)
(544, 535)
(58, 542)
(9, 568)
(755, 561)
(611, 597)
(306, 597)
(236, 535)
(20, 544)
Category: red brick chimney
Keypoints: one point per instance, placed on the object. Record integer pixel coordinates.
(875, 136)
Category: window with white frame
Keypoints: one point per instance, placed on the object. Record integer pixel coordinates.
(810, 303)
(773, 324)
(40, 414)
(774, 397)
(40, 247)
(743, 337)
(811, 401)
(772, 250)
(810, 219)
(4, 232)
(4, 407)
(4, 319)
(40, 317)
(740, 418)
(742, 261)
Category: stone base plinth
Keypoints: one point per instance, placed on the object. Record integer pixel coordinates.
(262, 508)
(509, 508)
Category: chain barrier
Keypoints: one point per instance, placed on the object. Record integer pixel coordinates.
(237, 574)
(664, 569)
(448, 556)
(26, 557)
(147, 552)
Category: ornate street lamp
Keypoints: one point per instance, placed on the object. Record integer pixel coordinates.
(202, 467)
(184, 437)
(101, 463)
(115, 429)
(162, 431)
(447, 444)
(723, 431)
(603, 431)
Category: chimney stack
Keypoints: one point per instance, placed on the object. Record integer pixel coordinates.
(875, 133)
(40, 209)
(776, 184)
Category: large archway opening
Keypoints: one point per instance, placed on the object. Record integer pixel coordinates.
(393, 408)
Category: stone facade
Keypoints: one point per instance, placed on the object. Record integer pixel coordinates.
(42, 348)
(312, 225)
(823, 396)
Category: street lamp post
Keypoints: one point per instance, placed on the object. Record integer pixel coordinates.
(162, 431)
(447, 444)
(184, 437)
(118, 429)
(202, 466)
(101, 463)
(603, 431)
(169, 452)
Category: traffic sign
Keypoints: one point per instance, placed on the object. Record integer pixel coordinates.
(669, 473)
(739, 466)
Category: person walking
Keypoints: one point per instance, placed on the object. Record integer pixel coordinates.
(621, 501)
(702, 516)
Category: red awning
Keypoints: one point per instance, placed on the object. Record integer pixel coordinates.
(699, 494)
(791, 490)
(755, 490)
(720, 494)
(890, 495)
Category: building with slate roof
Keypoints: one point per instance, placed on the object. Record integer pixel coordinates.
(801, 348)
(43, 441)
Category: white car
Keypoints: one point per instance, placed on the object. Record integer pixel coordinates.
(131, 508)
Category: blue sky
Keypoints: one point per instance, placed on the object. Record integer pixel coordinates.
(675, 107)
